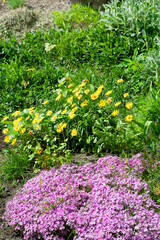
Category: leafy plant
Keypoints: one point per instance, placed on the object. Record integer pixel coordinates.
(14, 165)
(15, 3)
(78, 117)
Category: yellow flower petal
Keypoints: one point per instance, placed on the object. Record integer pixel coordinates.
(45, 102)
(13, 142)
(120, 81)
(117, 104)
(108, 93)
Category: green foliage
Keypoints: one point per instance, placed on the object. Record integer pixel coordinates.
(15, 3)
(149, 117)
(80, 16)
(78, 117)
(152, 176)
(138, 21)
(14, 165)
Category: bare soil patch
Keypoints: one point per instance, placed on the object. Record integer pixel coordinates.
(34, 15)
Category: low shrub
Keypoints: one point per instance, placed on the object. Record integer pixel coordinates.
(78, 117)
(106, 200)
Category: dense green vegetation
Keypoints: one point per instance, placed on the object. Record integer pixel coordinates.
(96, 48)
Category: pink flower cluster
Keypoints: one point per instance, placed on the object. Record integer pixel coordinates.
(105, 200)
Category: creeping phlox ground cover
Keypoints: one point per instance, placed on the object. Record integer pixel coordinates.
(105, 200)
(79, 116)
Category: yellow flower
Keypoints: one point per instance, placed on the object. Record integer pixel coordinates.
(49, 113)
(102, 103)
(40, 120)
(27, 118)
(70, 85)
(129, 118)
(109, 100)
(35, 120)
(74, 132)
(80, 96)
(69, 99)
(85, 80)
(75, 90)
(16, 128)
(45, 102)
(5, 131)
(54, 118)
(14, 140)
(101, 87)
(30, 132)
(64, 111)
(74, 109)
(94, 96)
(20, 125)
(117, 104)
(7, 138)
(58, 97)
(77, 94)
(16, 113)
(37, 115)
(129, 105)
(5, 118)
(125, 95)
(82, 84)
(84, 103)
(37, 127)
(108, 93)
(71, 115)
(120, 81)
(86, 91)
(60, 128)
(23, 130)
(40, 150)
(115, 113)
(64, 125)
(31, 109)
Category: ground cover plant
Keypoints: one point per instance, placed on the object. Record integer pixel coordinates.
(90, 83)
(101, 200)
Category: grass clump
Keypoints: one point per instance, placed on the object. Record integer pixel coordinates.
(15, 3)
